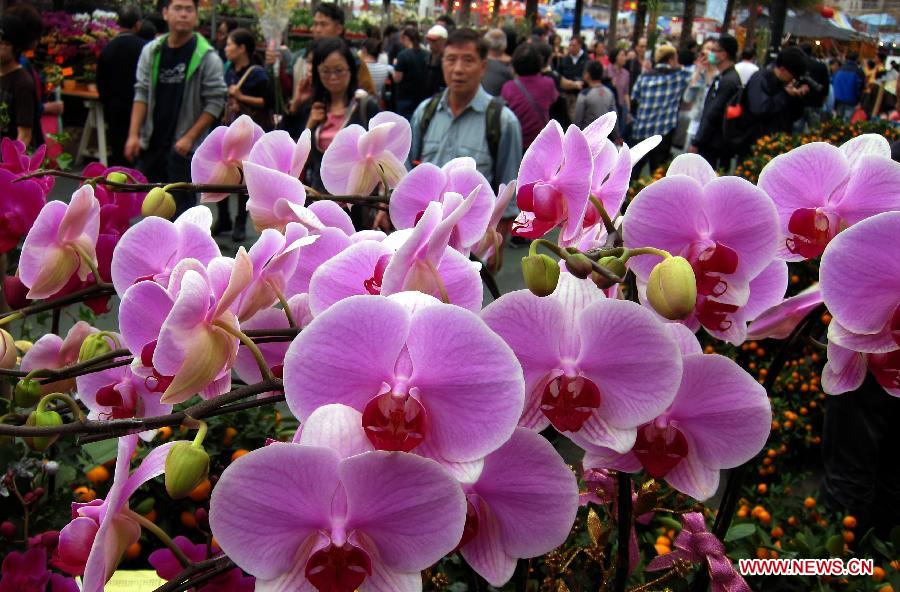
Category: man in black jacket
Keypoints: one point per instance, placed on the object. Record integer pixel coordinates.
(774, 99)
(709, 141)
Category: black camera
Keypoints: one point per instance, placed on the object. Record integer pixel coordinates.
(812, 84)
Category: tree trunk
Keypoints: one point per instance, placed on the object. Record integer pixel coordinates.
(687, 22)
(576, 24)
(640, 15)
(750, 39)
(495, 14)
(777, 16)
(651, 25)
(531, 12)
(388, 13)
(726, 20)
(613, 18)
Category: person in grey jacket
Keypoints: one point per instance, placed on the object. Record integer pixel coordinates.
(179, 95)
(595, 100)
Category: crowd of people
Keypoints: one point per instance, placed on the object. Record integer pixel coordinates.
(485, 95)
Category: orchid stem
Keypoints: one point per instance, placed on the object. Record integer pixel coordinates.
(445, 297)
(623, 530)
(287, 309)
(645, 251)
(160, 534)
(201, 433)
(90, 263)
(264, 369)
(607, 221)
(69, 401)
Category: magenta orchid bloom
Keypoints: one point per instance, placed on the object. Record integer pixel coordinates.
(522, 505)
(420, 259)
(574, 380)
(554, 183)
(120, 205)
(218, 158)
(725, 227)
(23, 572)
(15, 159)
(719, 419)
(184, 334)
(61, 243)
(20, 205)
(369, 522)
(358, 160)
(427, 183)
(275, 198)
(860, 283)
(780, 320)
(408, 396)
(277, 151)
(168, 567)
(187, 237)
(53, 352)
(695, 544)
(820, 189)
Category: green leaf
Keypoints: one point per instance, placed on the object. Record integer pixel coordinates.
(670, 522)
(65, 475)
(895, 538)
(879, 546)
(102, 451)
(835, 545)
(739, 531)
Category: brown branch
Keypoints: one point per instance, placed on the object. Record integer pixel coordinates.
(197, 573)
(97, 290)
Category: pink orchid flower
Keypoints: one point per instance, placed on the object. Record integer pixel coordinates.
(860, 284)
(184, 333)
(492, 241)
(725, 227)
(61, 243)
(554, 183)
(695, 544)
(780, 320)
(719, 419)
(186, 237)
(820, 189)
(218, 158)
(15, 159)
(24, 572)
(522, 505)
(168, 567)
(420, 259)
(358, 160)
(53, 353)
(407, 395)
(20, 205)
(574, 379)
(120, 205)
(275, 198)
(277, 151)
(369, 522)
(427, 183)
(94, 541)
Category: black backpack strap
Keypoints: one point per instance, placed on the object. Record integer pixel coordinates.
(492, 130)
(427, 116)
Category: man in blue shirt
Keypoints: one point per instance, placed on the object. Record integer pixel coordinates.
(847, 84)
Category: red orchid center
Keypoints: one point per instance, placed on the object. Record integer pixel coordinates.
(108, 396)
(886, 368)
(338, 569)
(811, 230)
(660, 448)
(711, 265)
(394, 422)
(470, 530)
(714, 315)
(568, 402)
(157, 383)
(373, 284)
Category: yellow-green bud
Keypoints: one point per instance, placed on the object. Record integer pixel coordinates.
(541, 274)
(158, 203)
(8, 353)
(117, 177)
(579, 265)
(614, 265)
(42, 419)
(672, 288)
(94, 345)
(27, 393)
(186, 466)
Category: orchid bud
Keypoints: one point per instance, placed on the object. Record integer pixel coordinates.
(579, 265)
(672, 288)
(117, 177)
(541, 274)
(8, 530)
(186, 466)
(27, 393)
(614, 265)
(8, 351)
(24, 345)
(42, 419)
(158, 202)
(94, 346)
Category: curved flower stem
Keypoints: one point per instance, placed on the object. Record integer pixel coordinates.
(623, 530)
(90, 262)
(442, 289)
(264, 369)
(628, 253)
(197, 573)
(284, 305)
(69, 401)
(607, 221)
(566, 253)
(161, 535)
(97, 290)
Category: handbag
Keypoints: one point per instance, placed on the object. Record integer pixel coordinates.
(263, 116)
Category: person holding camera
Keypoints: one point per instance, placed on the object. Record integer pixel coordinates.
(709, 140)
(775, 95)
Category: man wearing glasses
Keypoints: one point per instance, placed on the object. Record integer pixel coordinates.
(710, 140)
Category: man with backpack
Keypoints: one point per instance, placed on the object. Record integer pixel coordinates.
(710, 141)
(464, 120)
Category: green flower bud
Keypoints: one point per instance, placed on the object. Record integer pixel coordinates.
(614, 265)
(541, 274)
(672, 288)
(117, 177)
(42, 419)
(158, 203)
(93, 346)
(579, 265)
(186, 466)
(27, 393)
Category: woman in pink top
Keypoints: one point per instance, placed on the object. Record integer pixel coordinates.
(530, 94)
